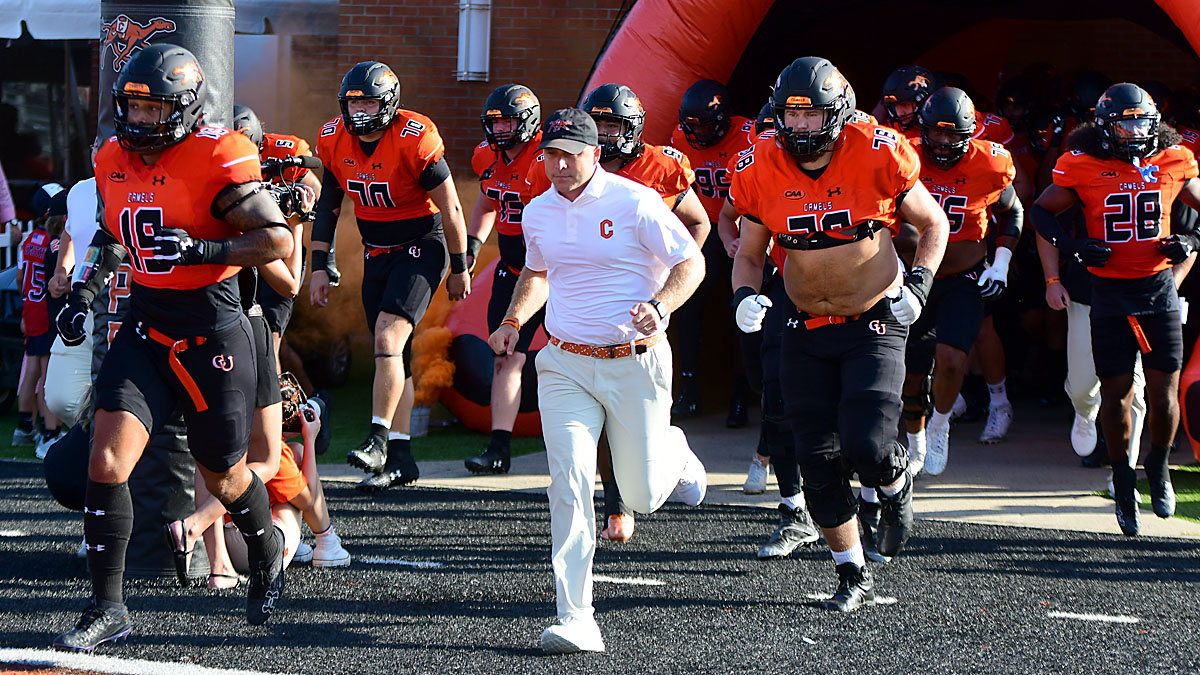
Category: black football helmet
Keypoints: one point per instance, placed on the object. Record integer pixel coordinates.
(1128, 121)
(908, 84)
(1014, 100)
(1088, 88)
(366, 81)
(766, 119)
(950, 111)
(511, 101)
(704, 113)
(247, 122)
(618, 103)
(164, 73)
(811, 83)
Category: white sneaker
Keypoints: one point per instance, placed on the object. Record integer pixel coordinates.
(330, 553)
(24, 437)
(959, 408)
(693, 482)
(998, 421)
(304, 553)
(756, 477)
(1083, 435)
(937, 451)
(572, 635)
(43, 446)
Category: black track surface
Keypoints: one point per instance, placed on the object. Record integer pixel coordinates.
(970, 598)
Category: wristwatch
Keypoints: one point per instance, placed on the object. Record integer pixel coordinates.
(657, 308)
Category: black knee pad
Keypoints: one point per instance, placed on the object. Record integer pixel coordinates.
(827, 491)
(920, 405)
(887, 469)
(778, 440)
(406, 357)
(66, 466)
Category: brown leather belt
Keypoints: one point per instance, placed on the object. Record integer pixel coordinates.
(176, 347)
(611, 352)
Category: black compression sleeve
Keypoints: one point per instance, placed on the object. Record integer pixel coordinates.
(103, 257)
(331, 199)
(1047, 225)
(1010, 215)
(434, 175)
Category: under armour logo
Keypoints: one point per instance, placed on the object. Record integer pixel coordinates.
(97, 512)
(878, 326)
(269, 601)
(503, 272)
(834, 191)
(223, 362)
(793, 323)
(414, 251)
(159, 180)
(376, 166)
(98, 548)
(960, 181)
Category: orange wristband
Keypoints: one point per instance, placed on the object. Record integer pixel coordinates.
(1052, 280)
(512, 322)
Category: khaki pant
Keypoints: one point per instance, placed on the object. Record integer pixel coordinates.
(1083, 387)
(630, 399)
(69, 377)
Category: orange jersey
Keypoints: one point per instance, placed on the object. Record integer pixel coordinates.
(504, 183)
(967, 189)
(663, 168)
(993, 127)
(710, 164)
(385, 184)
(860, 117)
(1191, 139)
(288, 481)
(177, 191)
(282, 146)
(1127, 207)
(869, 170)
(1022, 155)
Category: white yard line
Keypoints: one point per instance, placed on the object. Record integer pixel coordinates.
(632, 581)
(1103, 618)
(108, 664)
(423, 564)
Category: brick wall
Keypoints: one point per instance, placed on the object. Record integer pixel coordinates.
(547, 45)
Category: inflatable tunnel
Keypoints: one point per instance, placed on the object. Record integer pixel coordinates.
(662, 46)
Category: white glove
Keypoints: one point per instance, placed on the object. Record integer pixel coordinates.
(906, 307)
(994, 279)
(750, 313)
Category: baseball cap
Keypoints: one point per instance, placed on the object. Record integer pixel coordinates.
(40, 202)
(58, 204)
(570, 130)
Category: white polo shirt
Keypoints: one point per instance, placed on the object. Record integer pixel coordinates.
(610, 248)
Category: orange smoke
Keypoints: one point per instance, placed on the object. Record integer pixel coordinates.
(432, 369)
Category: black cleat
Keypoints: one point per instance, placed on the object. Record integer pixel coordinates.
(94, 628)
(895, 520)
(491, 460)
(856, 588)
(868, 520)
(795, 530)
(325, 435)
(1162, 493)
(1124, 480)
(266, 585)
(738, 416)
(688, 403)
(382, 481)
(370, 456)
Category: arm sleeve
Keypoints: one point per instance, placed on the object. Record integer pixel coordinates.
(434, 175)
(331, 199)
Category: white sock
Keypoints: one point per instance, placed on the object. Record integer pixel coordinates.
(328, 531)
(795, 502)
(869, 495)
(895, 488)
(397, 436)
(916, 444)
(941, 420)
(854, 555)
(385, 423)
(998, 393)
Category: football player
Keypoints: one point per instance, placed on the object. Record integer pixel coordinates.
(390, 161)
(1125, 171)
(184, 201)
(968, 178)
(832, 193)
(511, 119)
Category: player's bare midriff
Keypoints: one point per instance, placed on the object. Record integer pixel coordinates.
(844, 280)
(961, 256)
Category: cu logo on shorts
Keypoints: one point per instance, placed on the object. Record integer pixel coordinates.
(606, 228)
(223, 362)
(414, 251)
(878, 326)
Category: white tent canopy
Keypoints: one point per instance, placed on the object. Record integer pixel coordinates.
(80, 19)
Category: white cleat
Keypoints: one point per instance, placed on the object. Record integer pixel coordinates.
(999, 419)
(937, 452)
(572, 635)
(756, 477)
(959, 408)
